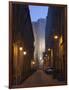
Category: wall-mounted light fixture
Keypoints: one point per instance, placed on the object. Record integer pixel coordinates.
(55, 37)
(24, 52)
(49, 49)
(20, 48)
(33, 62)
(40, 58)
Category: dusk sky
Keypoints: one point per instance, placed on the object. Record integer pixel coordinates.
(38, 12)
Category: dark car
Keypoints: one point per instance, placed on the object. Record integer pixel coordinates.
(50, 70)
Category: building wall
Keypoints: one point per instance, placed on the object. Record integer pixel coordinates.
(56, 25)
(39, 34)
(22, 36)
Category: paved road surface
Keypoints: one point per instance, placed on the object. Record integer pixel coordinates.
(39, 78)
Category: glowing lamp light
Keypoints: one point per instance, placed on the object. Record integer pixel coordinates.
(49, 49)
(20, 48)
(40, 58)
(24, 52)
(55, 37)
(33, 62)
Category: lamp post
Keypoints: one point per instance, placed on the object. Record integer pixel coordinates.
(20, 61)
(56, 54)
(49, 56)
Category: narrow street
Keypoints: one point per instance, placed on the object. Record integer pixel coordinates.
(40, 78)
(38, 49)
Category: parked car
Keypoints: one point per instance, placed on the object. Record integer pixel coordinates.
(50, 70)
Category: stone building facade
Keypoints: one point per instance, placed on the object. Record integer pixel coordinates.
(21, 43)
(56, 26)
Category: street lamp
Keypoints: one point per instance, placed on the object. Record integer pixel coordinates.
(24, 52)
(20, 48)
(56, 37)
(49, 49)
(33, 62)
(40, 58)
